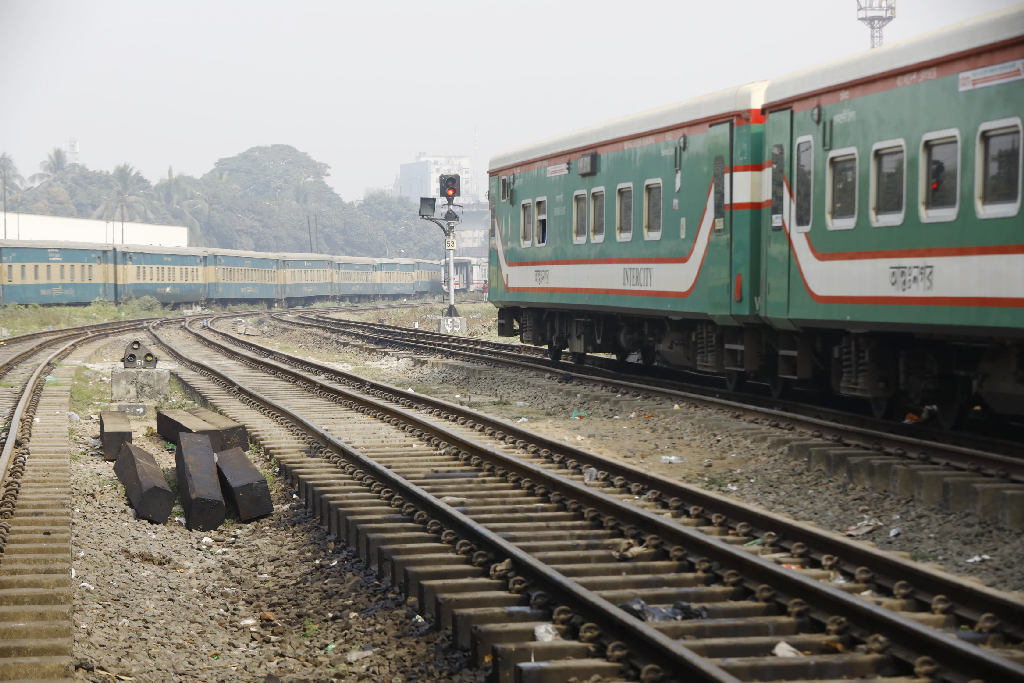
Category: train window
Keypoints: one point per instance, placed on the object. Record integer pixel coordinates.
(624, 212)
(23, 273)
(542, 222)
(652, 210)
(804, 190)
(10, 273)
(71, 270)
(47, 272)
(597, 215)
(526, 223)
(151, 273)
(718, 179)
(778, 185)
(90, 272)
(888, 182)
(62, 273)
(998, 178)
(35, 272)
(579, 217)
(841, 189)
(81, 272)
(504, 189)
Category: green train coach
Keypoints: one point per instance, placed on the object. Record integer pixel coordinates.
(854, 228)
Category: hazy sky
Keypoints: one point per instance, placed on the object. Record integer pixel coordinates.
(365, 86)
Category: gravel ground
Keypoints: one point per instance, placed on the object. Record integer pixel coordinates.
(248, 602)
(721, 462)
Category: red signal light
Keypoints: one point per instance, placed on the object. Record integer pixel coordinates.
(450, 192)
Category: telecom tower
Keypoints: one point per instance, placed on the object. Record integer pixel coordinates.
(876, 14)
(71, 147)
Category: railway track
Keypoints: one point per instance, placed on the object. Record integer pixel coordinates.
(504, 536)
(35, 521)
(971, 453)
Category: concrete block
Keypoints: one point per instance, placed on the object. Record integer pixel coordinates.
(137, 385)
(858, 468)
(171, 423)
(115, 431)
(956, 491)
(452, 326)
(901, 478)
(800, 449)
(879, 472)
(928, 484)
(232, 434)
(244, 483)
(144, 483)
(1011, 509)
(198, 483)
(985, 498)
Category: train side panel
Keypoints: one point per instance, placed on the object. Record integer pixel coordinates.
(54, 274)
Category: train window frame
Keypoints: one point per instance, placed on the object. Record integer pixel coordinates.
(576, 238)
(602, 199)
(10, 273)
(886, 219)
(847, 223)
(24, 278)
(777, 181)
(35, 273)
(90, 272)
(618, 212)
(49, 276)
(1001, 209)
(942, 214)
(797, 227)
(62, 272)
(525, 224)
(504, 188)
(537, 218)
(71, 272)
(649, 235)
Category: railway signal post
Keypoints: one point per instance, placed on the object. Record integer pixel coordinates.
(452, 323)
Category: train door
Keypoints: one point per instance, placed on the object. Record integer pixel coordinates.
(778, 219)
(718, 264)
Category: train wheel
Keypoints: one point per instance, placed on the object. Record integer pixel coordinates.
(952, 409)
(554, 353)
(579, 358)
(779, 386)
(621, 356)
(882, 407)
(647, 355)
(735, 380)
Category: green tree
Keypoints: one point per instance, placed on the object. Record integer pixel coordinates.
(55, 163)
(131, 200)
(9, 171)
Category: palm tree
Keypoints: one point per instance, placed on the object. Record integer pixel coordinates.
(55, 162)
(170, 188)
(129, 199)
(197, 201)
(10, 171)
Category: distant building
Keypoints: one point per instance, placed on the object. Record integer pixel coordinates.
(33, 226)
(420, 178)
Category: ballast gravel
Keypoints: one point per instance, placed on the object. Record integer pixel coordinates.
(274, 599)
(644, 431)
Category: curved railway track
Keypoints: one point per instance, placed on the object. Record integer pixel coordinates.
(973, 453)
(499, 534)
(35, 520)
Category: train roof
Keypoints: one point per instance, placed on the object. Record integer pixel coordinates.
(305, 257)
(404, 261)
(353, 259)
(962, 37)
(53, 244)
(739, 99)
(216, 251)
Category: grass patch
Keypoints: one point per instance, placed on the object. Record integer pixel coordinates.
(87, 391)
(171, 477)
(715, 481)
(309, 629)
(33, 317)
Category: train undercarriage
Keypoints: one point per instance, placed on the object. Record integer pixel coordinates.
(943, 378)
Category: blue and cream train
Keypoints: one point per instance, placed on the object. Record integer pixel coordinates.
(73, 273)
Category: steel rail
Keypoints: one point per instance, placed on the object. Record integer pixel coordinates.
(910, 636)
(959, 457)
(665, 651)
(971, 600)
